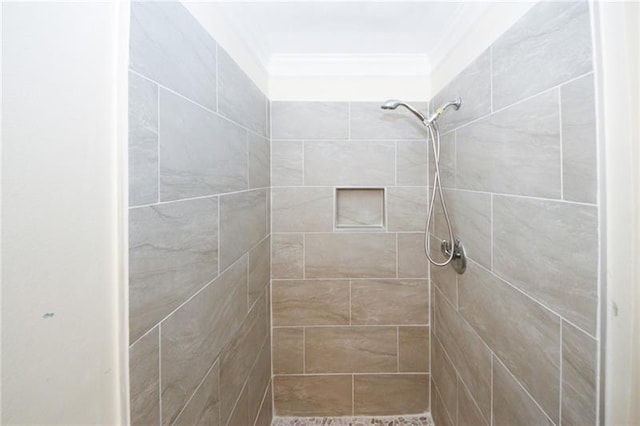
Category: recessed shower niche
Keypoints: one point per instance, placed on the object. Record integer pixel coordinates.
(360, 208)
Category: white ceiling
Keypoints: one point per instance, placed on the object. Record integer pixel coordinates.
(311, 38)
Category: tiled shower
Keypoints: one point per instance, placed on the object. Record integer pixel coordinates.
(276, 247)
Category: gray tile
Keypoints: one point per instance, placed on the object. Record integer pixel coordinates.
(579, 368)
(445, 378)
(412, 163)
(238, 97)
(559, 245)
(349, 163)
(447, 163)
(446, 280)
(341, 255)
(470, 214)
(259, 269)
(144, 379)
(173, 252)
(438, 409)
(243, 223)
(313, 395)
(200, 152)
(258, 380)
(547, 46)
(265, 415)
(286, 163)
(369, 121)
(523, 334)
(391, 302)
(169, 46)
(143, 141)
(468, 412)
(239, 356)
(579, 168)
(240, 415)
(309, 120)
(204, 406)
(302, 209)
(193, 336)
(259, 162)
(412, 262)
(390, 394)
(512, 405)
(514, 151)
(473, 85)
(287, 255)
(407, 208)
(467, 351)
(310, 302)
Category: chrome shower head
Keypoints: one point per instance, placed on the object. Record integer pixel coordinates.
(395, 103)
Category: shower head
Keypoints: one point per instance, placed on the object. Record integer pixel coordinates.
(456, 103)
(395, 103)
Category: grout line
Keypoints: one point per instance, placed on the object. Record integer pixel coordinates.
(560, 133)
(160, 370)
(201, 197)
(193, 394)
(262, 402)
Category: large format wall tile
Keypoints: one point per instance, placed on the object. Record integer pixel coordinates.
(288, 350)
(259, 160)
(259, 380)
(302, 209)
(369, 121)
(512, 405)
(413, 349)
(310, 120)
(579, 369)
(389, 302)
(354, 255)
(351, 349)
(470, 214)
(243, 223)
(390, 394)
(306, 396)
(194, 335)
(407, 208)
(204, 406)
(259, 270)
(169, 46)
(349, 163)
(466, 350)
(412, 162)
(445, 279)
(287, 255)
(468, 412)
(445, 378)
(558, 266)
(173, 251)
(312, 302)
(579, 168)
(200, 152)
(547, 46)
(286, 163)
(144, 379)
(238, 97)
(523, 334)
(473, 85)
(143, 141)
(412, 262)
(239, 356)
(438, 410)
(514, 151)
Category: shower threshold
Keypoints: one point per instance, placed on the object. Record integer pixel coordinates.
(409, 420)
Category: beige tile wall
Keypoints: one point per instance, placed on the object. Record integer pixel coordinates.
(200, 252)
(515, 339)
(350, 306)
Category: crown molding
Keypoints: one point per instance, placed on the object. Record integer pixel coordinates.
(299, 65)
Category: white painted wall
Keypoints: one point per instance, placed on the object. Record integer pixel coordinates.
(64, 94)
(618, 78)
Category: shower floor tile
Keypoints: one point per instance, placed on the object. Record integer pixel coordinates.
(419, 420)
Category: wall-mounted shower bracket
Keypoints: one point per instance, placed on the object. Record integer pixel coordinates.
(459, 260)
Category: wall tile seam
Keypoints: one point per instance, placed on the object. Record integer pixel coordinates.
(528, 197)
(535, 300)
(235, 405)
(263, 400)
(197, 292)
(518, 102)
(513, 377)
(201, 197)
(204, 377)
(206, 109)
(446, 410)
(459, 376)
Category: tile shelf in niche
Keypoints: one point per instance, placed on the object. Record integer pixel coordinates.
(360, 208)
